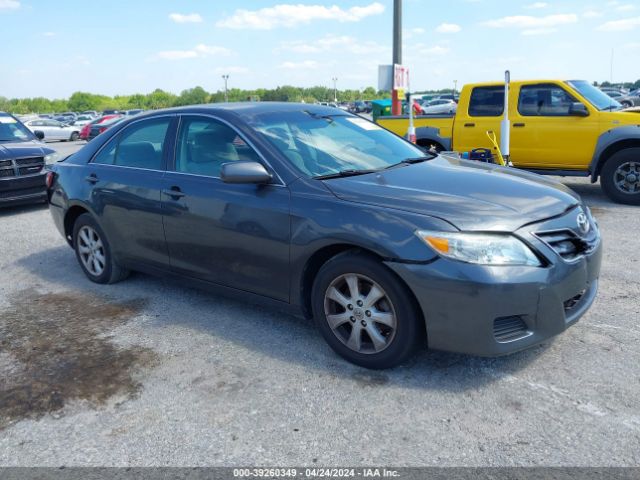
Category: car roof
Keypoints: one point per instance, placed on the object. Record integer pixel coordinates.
(250, 108)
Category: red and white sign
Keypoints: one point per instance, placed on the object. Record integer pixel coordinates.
(400, 77)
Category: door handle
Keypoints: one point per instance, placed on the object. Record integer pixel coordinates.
(469, 124)
(93, 178)
(516, 125)
(173, 192)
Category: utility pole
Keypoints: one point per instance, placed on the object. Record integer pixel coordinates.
(396, 105)
(455, 87)
(226, 92)
(335, 89)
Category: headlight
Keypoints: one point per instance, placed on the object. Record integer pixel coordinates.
(480, 248)
(51, 158)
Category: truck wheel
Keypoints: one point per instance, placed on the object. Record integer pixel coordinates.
(620, 176)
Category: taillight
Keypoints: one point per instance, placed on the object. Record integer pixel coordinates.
(51, 176)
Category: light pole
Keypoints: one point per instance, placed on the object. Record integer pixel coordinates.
(226, 94)
(396, 105)
(335, 89)
(455, 87)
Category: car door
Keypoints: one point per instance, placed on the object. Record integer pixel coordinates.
(125, 178)
(544, 133)
(484, 113)
(55, 129)
(235, 235)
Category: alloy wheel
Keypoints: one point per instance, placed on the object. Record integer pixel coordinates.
(360, 313)
(91, 250)
(627, 177)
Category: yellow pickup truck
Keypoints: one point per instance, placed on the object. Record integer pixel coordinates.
(567, 128)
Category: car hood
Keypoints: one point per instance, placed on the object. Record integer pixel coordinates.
(10, 150)
(469, 195)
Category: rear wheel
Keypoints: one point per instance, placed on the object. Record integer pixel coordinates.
(620, 176)
(94, 252)
(364, 312)
(74, 136)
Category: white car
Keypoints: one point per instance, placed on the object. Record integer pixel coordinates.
(82, 120)
(54, 130)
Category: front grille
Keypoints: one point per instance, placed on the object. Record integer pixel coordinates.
(573, 301)
(22, 192)
(30, 161)
(507, 329)
(7, 172)
(5, 163)
(30, 170)
(566, 244)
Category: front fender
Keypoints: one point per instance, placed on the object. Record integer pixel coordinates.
(608, 141)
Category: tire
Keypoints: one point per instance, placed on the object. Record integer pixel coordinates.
(389, 343)
(620, 176)
(626, 104)
(74, 137)
(94, 253)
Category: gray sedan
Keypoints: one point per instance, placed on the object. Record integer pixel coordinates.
(321, 212)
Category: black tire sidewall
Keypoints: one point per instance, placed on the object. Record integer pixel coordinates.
(409, 328)
(607, 176)
(88, 220)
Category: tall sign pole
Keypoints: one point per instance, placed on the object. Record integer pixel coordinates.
(396, 105)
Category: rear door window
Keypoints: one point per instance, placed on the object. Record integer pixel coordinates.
(487, 102)
(140, 145)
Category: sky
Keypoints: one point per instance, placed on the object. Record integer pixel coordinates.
(54, 48)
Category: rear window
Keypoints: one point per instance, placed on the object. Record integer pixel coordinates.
(487, 102)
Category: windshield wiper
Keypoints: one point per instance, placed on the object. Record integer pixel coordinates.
(411, 161)
(345, 173)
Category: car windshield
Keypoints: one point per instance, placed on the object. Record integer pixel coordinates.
(319, 145)
(595, 96)
(11, 130)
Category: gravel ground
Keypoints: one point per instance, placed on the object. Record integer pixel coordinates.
(146, 372)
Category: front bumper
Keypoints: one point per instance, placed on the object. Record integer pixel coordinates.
(22, 190)
(492, 311)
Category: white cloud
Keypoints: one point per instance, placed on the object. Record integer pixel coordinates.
(9, 4)
(49, 34)
(620, 25)
(530, 22)
(335, 44)
(626, 8)
(536, 6)
(436, 50)
(306, 65)
(539, 31)
(448, 28)
(592, 14)
(198, 51)
(288, 15)
(408, 33)
(186, 18)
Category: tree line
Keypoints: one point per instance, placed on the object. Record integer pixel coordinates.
(81, 101)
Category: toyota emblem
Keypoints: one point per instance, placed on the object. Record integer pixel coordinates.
(583, 223)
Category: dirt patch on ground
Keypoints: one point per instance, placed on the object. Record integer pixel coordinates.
(54, 348)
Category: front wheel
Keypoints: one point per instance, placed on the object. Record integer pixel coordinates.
(94, 252)
(74, 136)
(365, 312)
(620, 176)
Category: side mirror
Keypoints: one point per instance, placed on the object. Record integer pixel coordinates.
(244, 172)
(578, 109)
(39, 134)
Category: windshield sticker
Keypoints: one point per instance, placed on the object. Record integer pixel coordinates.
(362, 123)
(7, 120)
